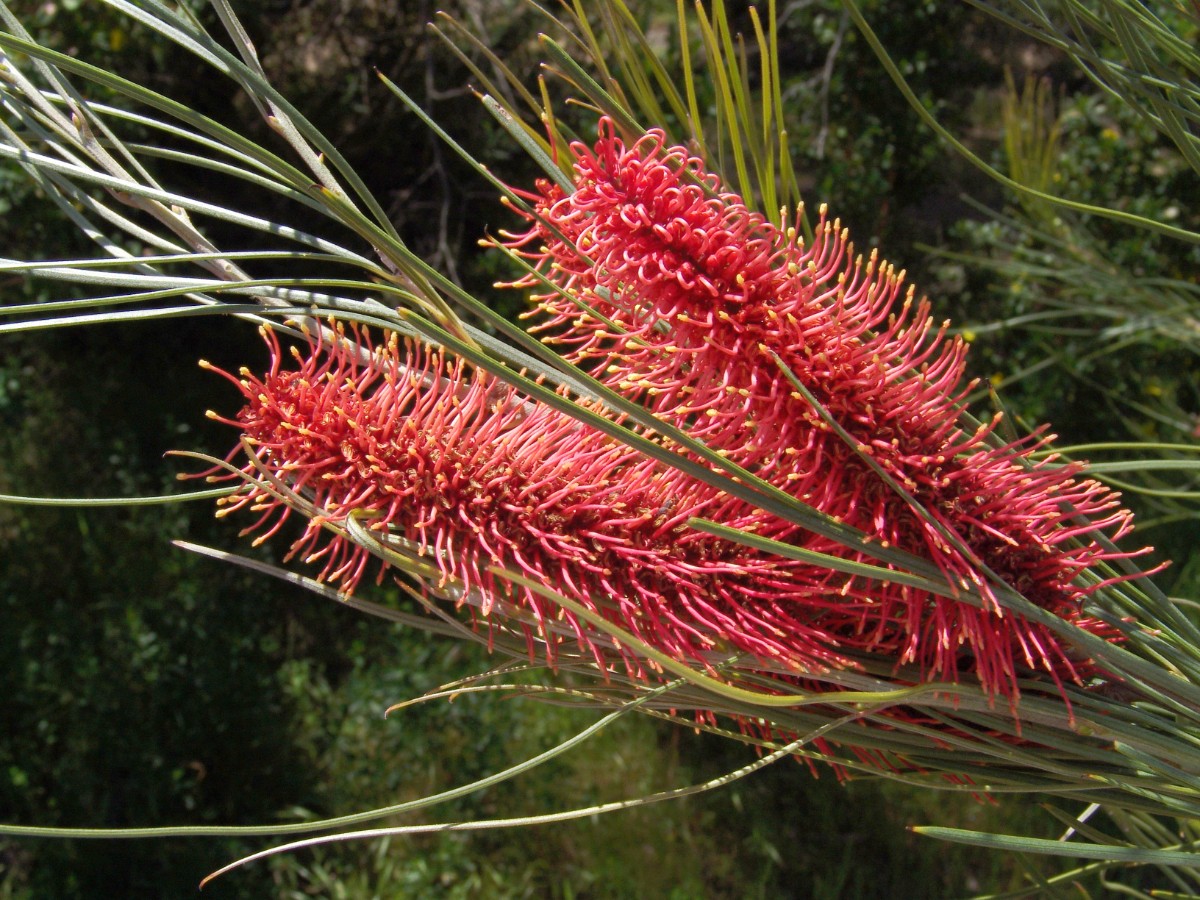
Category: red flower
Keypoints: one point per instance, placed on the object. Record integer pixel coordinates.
(417, 449)
(678, 295)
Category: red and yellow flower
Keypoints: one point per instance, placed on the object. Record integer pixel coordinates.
(678, 296)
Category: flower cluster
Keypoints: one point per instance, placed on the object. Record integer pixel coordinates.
(804, 364)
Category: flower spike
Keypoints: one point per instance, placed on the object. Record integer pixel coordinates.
(702, 304)
(467, 479)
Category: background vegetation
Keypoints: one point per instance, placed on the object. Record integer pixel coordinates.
(146, 686)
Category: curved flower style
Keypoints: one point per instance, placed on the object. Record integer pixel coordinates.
(677, 294)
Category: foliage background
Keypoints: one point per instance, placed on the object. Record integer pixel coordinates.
(145, 686)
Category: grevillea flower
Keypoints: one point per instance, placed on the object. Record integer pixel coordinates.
(678, 295)
(453, 465)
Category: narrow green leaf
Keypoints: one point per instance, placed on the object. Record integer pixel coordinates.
(1106, 852)
(159, 500)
